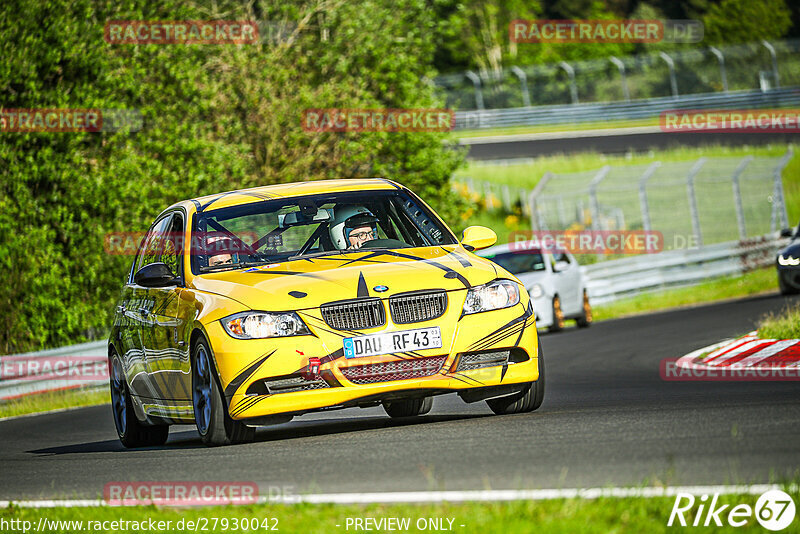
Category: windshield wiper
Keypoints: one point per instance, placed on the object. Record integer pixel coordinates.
(232, 266)
(318, 254)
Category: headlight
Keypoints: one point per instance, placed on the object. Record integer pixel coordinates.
(492, 296)
(536, 291)
(788, 260)
(259, 325)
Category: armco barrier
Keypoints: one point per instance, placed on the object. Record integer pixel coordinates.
(639, 109)
(615, 279)
(41, 370)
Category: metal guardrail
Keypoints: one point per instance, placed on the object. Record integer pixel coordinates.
(73, 366)
(615, 279)
(638, 109)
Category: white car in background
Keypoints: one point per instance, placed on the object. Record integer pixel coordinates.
(554, 281)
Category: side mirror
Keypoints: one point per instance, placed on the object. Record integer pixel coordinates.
(787, 232)
(478, 237)
(155, 275)
(561, 266)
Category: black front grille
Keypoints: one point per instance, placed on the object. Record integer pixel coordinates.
(417, 307)
(395, 370)
(354, 314)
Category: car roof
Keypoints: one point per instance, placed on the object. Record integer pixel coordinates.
(294, 189)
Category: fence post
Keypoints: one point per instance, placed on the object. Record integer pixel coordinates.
(621, 66)
(737, 196)
(673, 82)
(595, 206)
(573, 89)
(487, 195)
(722, 72)
(523, 84)
(523, 202)
(537, 221)
(645, 207)
(778, 203)
(476, 82)
(774, 57)
(693, 199)
(507, 198)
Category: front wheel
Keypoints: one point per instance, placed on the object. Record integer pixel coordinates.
(525, 401)
(214, 424)
(585, 318)
(132, 433)
(558, 315)
(408, 408)
(785, 288)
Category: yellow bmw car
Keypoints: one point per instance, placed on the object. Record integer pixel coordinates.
(250, 307)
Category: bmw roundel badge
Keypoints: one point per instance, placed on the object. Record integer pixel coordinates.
(380, 289)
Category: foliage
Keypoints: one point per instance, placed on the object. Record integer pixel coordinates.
(216, 117)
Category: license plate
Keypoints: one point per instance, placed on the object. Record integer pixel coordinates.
(387, 343)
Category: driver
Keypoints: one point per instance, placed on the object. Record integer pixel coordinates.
(352, 226)
(219, 250)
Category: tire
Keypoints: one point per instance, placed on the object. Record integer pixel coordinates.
(525, 401)
(132, 432)
(785, 288)
(211, 417)
(558, 316)
(585, 320)
(408, 408)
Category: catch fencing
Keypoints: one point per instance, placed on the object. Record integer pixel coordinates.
(692, 203)
(762, 66)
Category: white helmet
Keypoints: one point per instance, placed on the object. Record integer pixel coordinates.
(347, 218)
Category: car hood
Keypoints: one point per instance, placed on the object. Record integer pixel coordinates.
(308, 283)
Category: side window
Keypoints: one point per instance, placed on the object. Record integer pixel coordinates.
(561, 257)
(173, 245)
(153, 243)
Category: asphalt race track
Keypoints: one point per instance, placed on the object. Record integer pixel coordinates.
(607, 419)
(545, 145)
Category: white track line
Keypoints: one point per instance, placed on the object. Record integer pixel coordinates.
(458, 496)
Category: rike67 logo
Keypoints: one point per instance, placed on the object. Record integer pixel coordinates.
(774, 510)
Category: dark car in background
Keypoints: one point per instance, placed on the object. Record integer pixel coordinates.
(788, 263)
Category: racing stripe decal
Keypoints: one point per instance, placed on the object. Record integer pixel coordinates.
(244, 375)
(504, 331)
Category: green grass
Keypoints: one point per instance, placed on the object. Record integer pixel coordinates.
(54, 400)
(752, 283)
(784, 325)
(602, 515)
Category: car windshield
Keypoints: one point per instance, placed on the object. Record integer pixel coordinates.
(303, 227)
(520, 262)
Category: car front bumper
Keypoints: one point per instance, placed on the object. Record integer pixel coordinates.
(246, 366)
